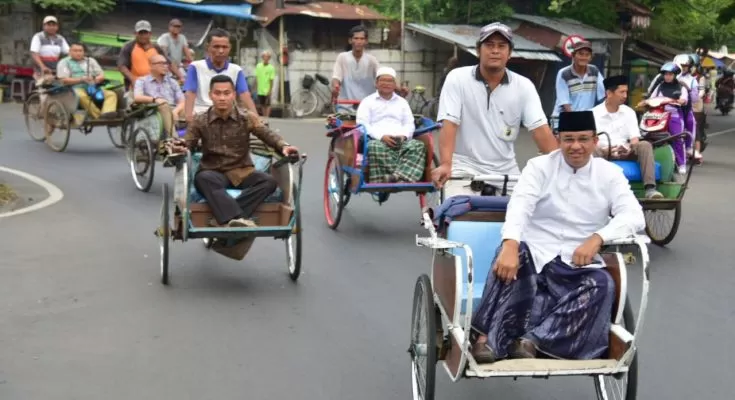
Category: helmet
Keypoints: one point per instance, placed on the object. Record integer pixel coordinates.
(670, 67)
(683, 59)
(696, 60)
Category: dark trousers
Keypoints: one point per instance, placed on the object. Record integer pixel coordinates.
(213, 186)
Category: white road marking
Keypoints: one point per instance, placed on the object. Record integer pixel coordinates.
(721, 132)
(54, 193)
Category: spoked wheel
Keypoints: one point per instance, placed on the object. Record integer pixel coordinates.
(662, 225)
(423, 340)
(142, 159)
(304, 102)
(164, 234)
(117, 135)
(128, 129)
(293, 243)
(34, 117)
(334, 189)
(57, 126)
(621, 386)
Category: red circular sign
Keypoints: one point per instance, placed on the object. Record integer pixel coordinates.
(569, 43)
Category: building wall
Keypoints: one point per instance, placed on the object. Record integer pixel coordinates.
(16, 30)
(424, 61)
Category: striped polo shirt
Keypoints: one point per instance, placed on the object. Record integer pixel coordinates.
(581, 92)
(49, 48)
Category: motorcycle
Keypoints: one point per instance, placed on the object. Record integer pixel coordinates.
(724, 100)
(654, 124)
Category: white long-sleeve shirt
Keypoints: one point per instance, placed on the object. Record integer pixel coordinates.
(554, 208)
(382, 117)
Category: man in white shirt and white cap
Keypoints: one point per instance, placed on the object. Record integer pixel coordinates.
(392, 154)
(482, 108)
(547, 291)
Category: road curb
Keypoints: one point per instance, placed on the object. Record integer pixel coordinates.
(54, 193)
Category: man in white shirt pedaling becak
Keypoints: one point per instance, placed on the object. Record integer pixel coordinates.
(547, 291)
(482, 108)
(621, 125)
(392, 154)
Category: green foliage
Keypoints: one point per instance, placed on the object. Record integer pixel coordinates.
(76, 6)
(598, 13)
(677, 23)
(476, 12)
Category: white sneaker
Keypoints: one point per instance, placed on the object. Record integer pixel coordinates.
(682, 170)
(690, 152)
(697, 155)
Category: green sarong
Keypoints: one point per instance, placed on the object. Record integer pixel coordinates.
(406, 162)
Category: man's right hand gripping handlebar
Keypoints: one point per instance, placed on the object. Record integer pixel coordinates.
(440, 175)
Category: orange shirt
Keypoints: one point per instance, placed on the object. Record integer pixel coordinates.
(139, 65)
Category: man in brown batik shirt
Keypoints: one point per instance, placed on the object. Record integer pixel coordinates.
(224, 132)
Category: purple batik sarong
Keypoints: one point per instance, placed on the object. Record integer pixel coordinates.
(565, 311)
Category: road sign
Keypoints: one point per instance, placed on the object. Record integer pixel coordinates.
(569, 43)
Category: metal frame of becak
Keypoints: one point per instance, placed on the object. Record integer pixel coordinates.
(281, 220)
(438, 300)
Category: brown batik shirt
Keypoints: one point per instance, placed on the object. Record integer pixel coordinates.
(226, 142)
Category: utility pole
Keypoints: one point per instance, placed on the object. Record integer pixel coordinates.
(280, 4)
(403, 39)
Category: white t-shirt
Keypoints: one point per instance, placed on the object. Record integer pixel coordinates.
(357, 77)
(489, 121)
(621, 126)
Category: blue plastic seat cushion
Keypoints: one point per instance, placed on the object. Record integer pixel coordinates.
(483, 238)
(632, 170)
(457, 206)
(262, 164)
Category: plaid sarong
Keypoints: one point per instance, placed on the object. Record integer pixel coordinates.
(406, 162)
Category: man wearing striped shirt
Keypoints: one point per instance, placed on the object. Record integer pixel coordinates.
(47, 47)
(579, 87)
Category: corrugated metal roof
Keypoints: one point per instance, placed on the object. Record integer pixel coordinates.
(268, 12)
(568, 27)
(239, 11)
(526, 55)
(465, 36)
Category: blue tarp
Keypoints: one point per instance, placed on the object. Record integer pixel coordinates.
(241, 11)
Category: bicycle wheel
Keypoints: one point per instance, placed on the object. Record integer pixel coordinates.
(34, 117)
(57, 126)
(304, 103)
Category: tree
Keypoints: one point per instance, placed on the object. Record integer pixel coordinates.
(678, 23)
(476, 12)
(75, 6)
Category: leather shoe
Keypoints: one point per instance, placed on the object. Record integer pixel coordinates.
(483, 354)
(523, 348)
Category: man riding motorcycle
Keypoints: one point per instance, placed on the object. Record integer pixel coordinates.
(725, 86)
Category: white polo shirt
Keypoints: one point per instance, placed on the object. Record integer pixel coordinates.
(489, 120)
(621, 126)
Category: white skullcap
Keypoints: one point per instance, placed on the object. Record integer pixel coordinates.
(385, 71)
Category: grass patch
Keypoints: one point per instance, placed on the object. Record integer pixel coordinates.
(6, 194)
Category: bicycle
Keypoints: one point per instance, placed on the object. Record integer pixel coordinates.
(308, 99)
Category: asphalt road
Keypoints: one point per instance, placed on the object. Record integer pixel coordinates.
(82, 315)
